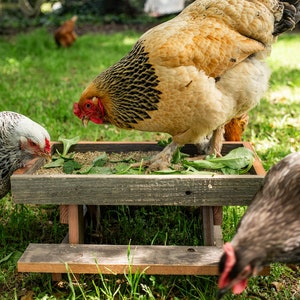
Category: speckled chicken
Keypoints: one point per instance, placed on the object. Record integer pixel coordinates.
(269, 231)
(21, 139)
(191, 75)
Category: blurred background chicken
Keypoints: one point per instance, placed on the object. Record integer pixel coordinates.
(269, 231)
(21, 140)
(65, 35)
(191, 75)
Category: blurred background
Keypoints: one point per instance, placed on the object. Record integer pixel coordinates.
(16, 14)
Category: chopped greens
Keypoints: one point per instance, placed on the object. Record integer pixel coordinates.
(237, 161)
(64, 160)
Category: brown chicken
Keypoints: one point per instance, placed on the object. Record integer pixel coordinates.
(65, 35)
(191, 75)
(269, 231)
(233, 130)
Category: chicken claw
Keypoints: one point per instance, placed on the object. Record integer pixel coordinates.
(160, 161)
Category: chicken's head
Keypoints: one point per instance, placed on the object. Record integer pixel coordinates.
(33, 139)
(89, 110)
(233, 274)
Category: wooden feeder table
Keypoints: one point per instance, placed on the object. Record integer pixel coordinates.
(71, 192)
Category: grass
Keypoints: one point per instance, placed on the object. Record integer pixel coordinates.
(42, 82)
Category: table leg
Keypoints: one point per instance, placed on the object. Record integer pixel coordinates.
(208, 225)
(76, 228)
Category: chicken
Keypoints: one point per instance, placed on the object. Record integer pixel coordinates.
(269, 231)
(234, 129)
(21, 139)
(191, 75)
(65, 35)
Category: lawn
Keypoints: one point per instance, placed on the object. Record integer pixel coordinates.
(42, 82)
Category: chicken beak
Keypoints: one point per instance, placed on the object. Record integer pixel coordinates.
(47, 156)
(85, 121)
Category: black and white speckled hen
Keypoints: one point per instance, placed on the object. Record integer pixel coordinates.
(191, 75)
(21, 139)
(270, 229)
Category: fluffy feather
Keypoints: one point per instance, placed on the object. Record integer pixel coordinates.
(269, 231)
(21, 139)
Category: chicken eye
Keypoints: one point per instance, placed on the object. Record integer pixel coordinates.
(32, 144)
(88, 106)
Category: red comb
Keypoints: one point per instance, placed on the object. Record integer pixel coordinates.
(47, 145)
(229, 263)
(76, 110)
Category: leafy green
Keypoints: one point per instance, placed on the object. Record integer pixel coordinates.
(70, 166)
(55, 163)
(237, 161)
(67, 143)
(65, 160)
(100, 161)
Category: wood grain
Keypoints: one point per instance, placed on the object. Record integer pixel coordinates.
(117, 259)
(120, 259)
(182, 190)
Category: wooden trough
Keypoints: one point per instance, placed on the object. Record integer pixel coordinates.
(71, 192)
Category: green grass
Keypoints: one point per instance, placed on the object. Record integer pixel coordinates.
(43, 82)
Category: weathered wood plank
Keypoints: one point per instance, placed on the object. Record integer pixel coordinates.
(184, 190)
(117, 259)
(120, 259)
(257, 166)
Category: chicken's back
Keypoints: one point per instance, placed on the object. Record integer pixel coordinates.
(213, 35)
(272, 220)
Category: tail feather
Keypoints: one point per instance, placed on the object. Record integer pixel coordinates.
(290, 17)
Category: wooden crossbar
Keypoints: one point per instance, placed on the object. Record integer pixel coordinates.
(120, 259)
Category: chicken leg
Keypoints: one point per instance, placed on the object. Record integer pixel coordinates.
(214, 145)
(162, 160)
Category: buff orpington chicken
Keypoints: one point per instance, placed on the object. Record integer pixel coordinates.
(21, 140)
(269, 231)
(191, 75)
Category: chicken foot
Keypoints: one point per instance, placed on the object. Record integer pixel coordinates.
(160, 161)
(211, 145)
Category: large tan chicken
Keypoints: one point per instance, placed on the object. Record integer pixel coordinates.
(191, 75)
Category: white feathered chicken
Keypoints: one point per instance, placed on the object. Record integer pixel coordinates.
(21, 139)
(270, 229)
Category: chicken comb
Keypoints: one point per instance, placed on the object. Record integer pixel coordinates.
(229, 263)
(47, 146)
